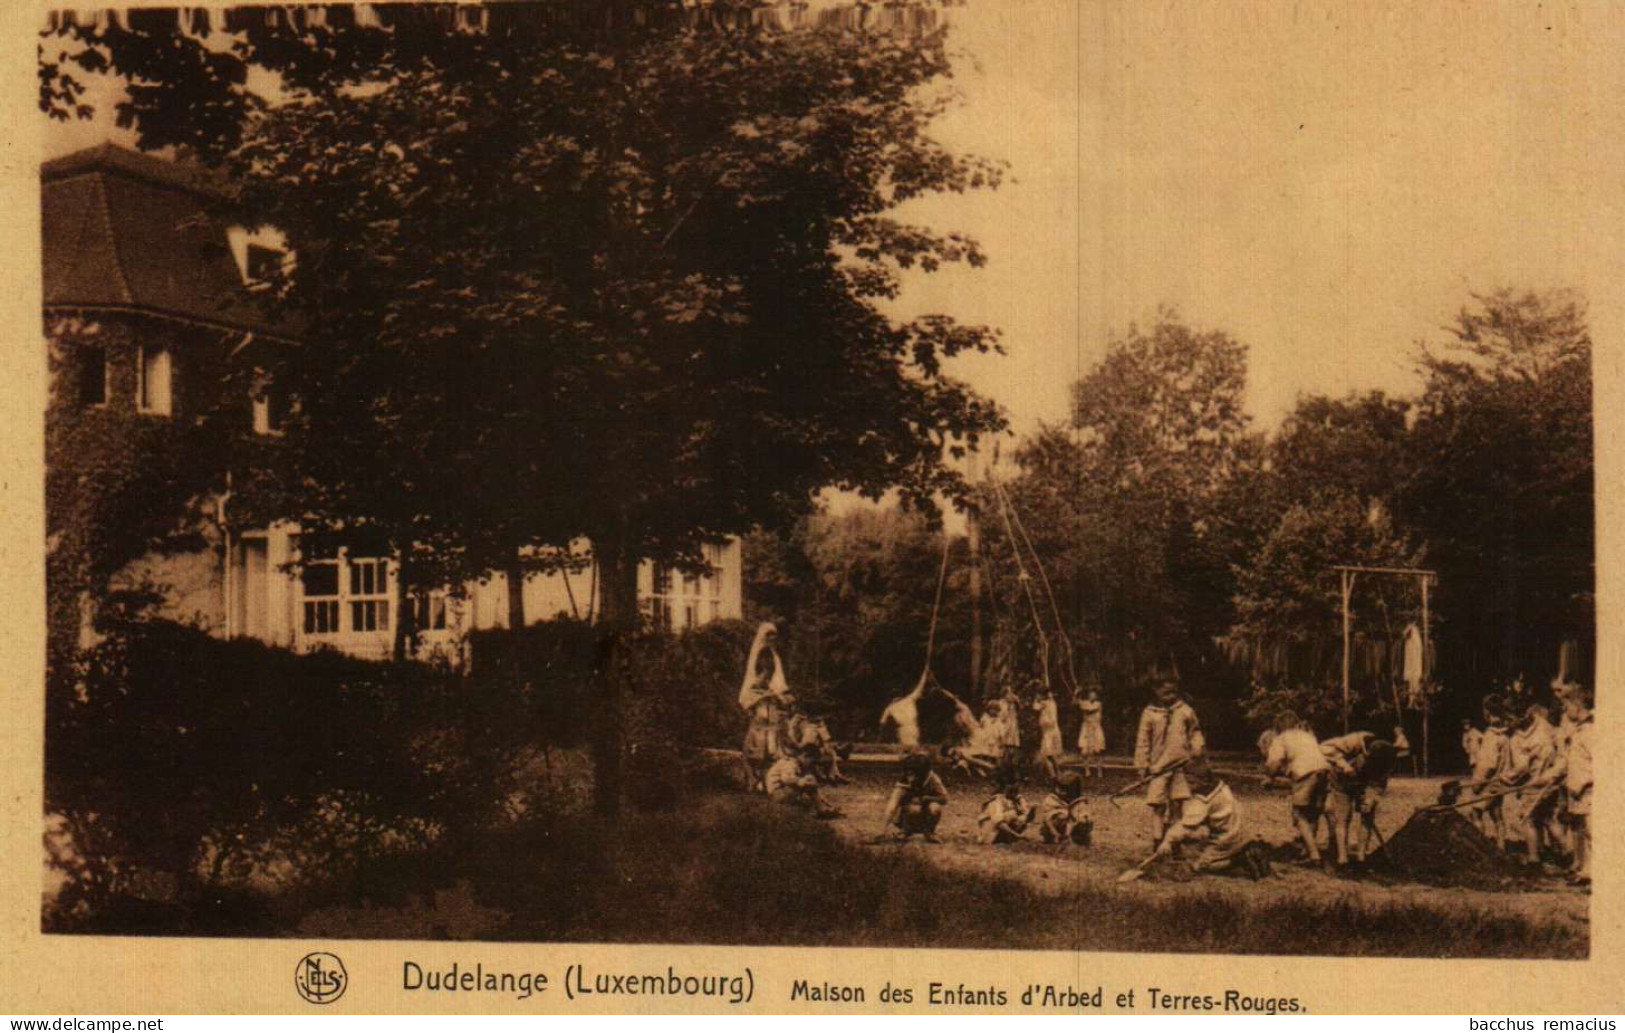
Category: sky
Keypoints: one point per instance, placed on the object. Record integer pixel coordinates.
(1327, 183)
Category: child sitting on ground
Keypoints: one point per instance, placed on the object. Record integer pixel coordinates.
(916, 803)
(1064, 813)
(793, 779)
(804, 730)
(1211, 815)
(1006, 816)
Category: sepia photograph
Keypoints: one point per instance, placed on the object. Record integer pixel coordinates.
(1041, 476)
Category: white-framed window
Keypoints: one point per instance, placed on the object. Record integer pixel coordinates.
(344, 594)
(691, 601)
(261, 254)
(154, 389)
(657, 608)
(713, 579)
(369, 594)
(93, 376)
(319, 580)
(431, 611)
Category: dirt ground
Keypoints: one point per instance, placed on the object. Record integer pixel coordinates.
(1122, 837)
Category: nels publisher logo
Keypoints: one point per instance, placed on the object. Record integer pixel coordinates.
(320, 978)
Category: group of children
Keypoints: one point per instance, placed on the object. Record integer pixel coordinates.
(788, 753)
(1189, 802)
(1061, 816)
(1338, 781)
(991, 741)
(1532, 780)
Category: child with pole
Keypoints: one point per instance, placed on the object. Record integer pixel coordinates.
(1168, 736)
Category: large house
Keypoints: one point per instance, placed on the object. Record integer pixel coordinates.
(158, 293)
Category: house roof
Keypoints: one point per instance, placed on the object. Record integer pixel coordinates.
(124, 230)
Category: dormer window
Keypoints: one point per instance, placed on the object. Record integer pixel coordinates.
(262, 254)
(263, 265)
(271, 409)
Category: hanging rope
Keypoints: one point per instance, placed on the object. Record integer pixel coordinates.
(936, 605)
(1026, 582)
(1049, 592)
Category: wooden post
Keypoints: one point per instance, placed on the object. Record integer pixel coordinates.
(1347, 579)
(1427, 674)
(974, 536)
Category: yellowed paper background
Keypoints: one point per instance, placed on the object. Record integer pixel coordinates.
(1584, 64)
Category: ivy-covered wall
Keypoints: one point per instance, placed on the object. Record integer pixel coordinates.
(131, 497)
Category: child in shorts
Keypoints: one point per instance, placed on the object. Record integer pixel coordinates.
(917, 800)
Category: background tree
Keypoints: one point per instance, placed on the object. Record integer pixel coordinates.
(1504, 489)
(1128, 502)
(1358, 444)
(1288, 609)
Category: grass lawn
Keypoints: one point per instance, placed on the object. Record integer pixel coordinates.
(725, 868)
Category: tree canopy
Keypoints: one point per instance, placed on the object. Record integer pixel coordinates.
(625, 294)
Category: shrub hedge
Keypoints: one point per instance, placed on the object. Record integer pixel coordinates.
(189, 763)
(183, 768)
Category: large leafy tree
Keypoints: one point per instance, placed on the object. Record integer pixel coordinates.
(1324, 496)
(1358, 444)
(624, 294)
(1159, 435)
(1503, 488)
(619, 286)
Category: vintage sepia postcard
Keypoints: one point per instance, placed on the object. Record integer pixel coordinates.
(812, 506)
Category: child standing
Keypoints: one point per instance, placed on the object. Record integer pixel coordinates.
(1574, 772)
(1489, 764)
(917, 800)
(1169, 734)
(1530, 753)
(1049, 733)
(1361, 765)
(1092, 733)
(1470, 737)
(1296, 755)
(902, 714)
(1009, 725)
(765, 697)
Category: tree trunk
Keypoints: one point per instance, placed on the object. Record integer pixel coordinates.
(618, 617)
(516, 592)
(405, 613)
